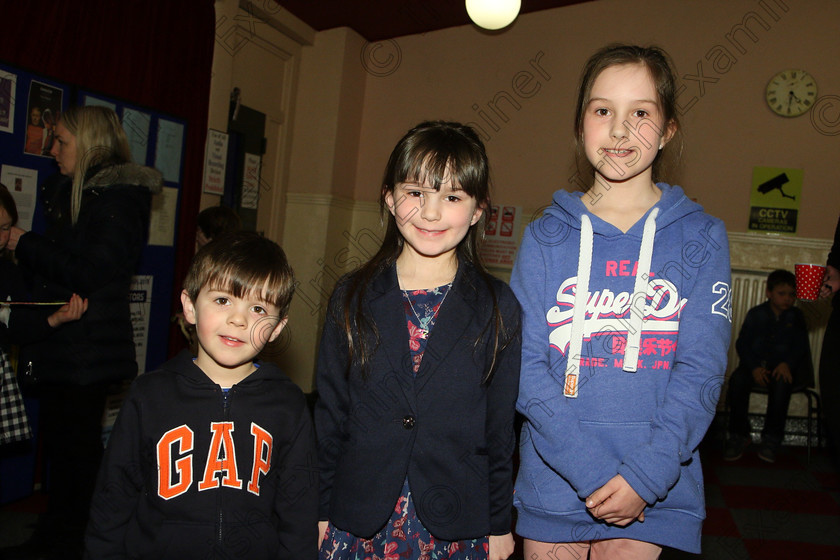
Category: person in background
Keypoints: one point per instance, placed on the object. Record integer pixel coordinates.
(830, 354)
(100, 221)
(213, 222)
(774, 353)
(29, 322)
(212, 455)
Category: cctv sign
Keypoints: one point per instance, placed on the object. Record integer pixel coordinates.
(774, 199)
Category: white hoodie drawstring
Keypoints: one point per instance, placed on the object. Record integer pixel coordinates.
(570, 388)
(637, 315)
(638, 303)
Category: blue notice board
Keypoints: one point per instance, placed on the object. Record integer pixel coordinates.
(29, 107)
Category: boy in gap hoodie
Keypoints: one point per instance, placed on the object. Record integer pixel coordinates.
(214, 456)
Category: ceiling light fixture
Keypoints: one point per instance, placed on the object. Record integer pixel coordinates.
(493, 14)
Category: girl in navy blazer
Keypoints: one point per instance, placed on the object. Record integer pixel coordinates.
(418, 371)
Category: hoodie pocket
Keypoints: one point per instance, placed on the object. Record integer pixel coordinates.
(541, 488)
(618, 438)
(687, 495)
(621, 438)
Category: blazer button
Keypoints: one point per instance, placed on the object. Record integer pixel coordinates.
(408, 422)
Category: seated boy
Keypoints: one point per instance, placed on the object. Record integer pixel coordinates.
(214, 456)
(774, 353)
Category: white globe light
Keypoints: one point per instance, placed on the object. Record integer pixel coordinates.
(493, 14)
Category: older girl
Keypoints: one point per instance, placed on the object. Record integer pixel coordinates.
(625, 296)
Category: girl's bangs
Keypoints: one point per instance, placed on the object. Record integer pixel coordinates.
(437, 167)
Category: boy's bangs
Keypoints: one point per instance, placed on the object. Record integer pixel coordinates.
(246, 284)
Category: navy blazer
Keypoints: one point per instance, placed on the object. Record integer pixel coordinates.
(451, 434)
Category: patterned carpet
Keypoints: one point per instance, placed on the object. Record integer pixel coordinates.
(758, 511)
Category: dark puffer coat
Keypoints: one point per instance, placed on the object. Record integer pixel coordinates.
(95, 258)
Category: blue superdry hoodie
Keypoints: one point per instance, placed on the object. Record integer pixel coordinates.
(646, 317)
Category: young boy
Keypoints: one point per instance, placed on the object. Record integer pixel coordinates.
(774, 353)
(214, 456)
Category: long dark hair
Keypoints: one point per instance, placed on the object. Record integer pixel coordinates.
(432, 151)
(662, 73)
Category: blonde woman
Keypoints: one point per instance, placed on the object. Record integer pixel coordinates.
(99, 219)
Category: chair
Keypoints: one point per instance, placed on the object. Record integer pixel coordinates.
(814, 412)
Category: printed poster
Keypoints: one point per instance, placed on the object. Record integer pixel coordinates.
(774, 199)
(501, 235)
(42, 113)
(170, 142)
(136, 125)
(8, 82)
(140, 303)
(251, 182)
(215, 162)
(162, 223)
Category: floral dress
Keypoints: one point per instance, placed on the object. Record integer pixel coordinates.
(404, 537)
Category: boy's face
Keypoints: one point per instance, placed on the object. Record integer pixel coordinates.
(231, 331)
(781, 297)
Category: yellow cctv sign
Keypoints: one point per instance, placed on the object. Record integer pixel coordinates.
(774, 199)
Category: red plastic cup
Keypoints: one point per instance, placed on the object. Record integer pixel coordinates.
(809, 278)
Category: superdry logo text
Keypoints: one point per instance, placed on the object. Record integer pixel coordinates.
(608, 312)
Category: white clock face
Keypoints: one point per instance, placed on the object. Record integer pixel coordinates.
(791, 93)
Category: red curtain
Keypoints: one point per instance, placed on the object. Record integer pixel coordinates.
(154, 53)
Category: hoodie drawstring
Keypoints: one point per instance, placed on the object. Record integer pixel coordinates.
(570, 388)
(637, 316)
(638, 303)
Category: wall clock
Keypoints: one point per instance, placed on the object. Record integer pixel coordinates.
(791, 93)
